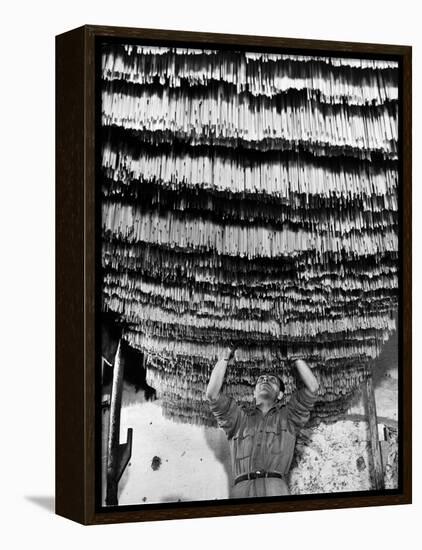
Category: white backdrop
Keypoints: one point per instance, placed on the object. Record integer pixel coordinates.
(27, 275)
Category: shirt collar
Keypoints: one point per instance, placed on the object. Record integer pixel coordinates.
(277, 405)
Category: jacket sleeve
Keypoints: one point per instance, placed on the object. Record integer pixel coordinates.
(299, 409)
(227, 412)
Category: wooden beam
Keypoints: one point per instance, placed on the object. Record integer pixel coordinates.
(378, 471)
(118, 455)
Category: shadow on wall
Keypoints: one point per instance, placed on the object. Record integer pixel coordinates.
(386, 365)
(217, 441)
(385, 380)
(43, 501)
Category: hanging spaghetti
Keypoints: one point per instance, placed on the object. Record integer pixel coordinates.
(251, 198)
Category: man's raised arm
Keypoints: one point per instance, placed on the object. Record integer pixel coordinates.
(303, 400)
(306, 375)
(217, 375)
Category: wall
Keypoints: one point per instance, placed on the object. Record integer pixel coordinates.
(336, 458)
(171, 461)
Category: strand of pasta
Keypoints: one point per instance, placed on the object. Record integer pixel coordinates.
(129, 223)
(272, 77)
(123, 285)
(220, 269)
(261, 56)
(223, 221)
(280, 179)
(146, 314)
(255, 120)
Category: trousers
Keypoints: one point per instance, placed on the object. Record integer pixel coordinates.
(260, 487)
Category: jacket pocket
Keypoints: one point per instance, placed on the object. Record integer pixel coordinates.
(276, 439)
(243, 444)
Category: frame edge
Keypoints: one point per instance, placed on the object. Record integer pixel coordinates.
(70, 234)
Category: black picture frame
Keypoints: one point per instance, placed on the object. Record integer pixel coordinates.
(77, 285)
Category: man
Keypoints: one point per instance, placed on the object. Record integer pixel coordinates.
(262, 438)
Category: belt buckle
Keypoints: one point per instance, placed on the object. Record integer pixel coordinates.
(258, 473)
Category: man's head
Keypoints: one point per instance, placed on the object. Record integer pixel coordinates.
(268, 387)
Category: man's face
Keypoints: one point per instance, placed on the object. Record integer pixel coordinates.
(267, 387)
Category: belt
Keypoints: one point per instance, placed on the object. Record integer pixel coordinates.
(256, 474)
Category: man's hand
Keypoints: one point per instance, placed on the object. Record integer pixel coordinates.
(229, 352)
